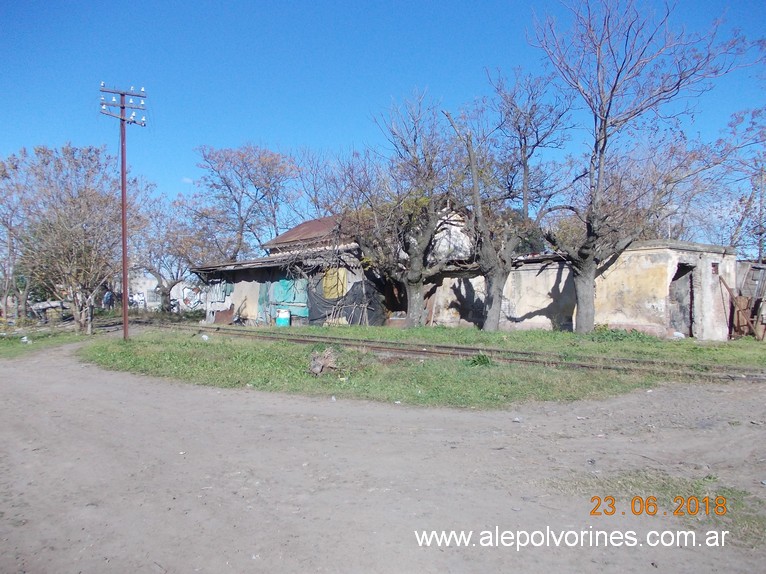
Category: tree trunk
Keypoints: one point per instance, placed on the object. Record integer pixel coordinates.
(493, 302)
(165, 304)
(415, 303)
(83, 313)
(22, 302)
(79, 315)
(585, 294)
(4, 303)
(89, 316)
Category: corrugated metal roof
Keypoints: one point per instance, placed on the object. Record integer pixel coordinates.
(303, 257)
(271, 261)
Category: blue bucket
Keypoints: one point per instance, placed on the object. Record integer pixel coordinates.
(283, 317)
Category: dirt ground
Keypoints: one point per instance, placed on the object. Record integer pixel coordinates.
(111, 472)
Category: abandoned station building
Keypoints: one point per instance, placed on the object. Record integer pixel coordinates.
(313, 274)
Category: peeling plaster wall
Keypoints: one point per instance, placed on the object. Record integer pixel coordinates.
(633, 293)
(456, 302)
(712, 308)
(539, 296)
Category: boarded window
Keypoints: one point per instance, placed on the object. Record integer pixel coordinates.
(334, 283)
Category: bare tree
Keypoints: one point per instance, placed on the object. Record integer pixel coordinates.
(14, 174)
(72, 241)
(318, 181)
(246, 198)
(743, 202)
(746, 227)
(533, 116)
(510, 188)
(402, 203)
(165, 245)
(623, 65)
(654, 188)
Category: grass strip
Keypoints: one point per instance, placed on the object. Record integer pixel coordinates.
(280, 366)
(16, 344)
(602, 345)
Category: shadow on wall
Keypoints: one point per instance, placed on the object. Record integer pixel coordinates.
(560, 311)
(468, 304)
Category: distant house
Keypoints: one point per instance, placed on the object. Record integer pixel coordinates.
(312, 274)
(144, 294)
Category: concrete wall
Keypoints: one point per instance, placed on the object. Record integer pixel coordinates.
(456, 302)
(539, 295)
(633, 292)
(636, 293)
(659, 288)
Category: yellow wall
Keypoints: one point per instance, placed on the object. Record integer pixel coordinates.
(634, 291)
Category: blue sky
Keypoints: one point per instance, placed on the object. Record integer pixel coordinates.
(283, 75)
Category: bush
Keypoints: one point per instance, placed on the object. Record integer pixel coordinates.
(603, 334)
(196, 315)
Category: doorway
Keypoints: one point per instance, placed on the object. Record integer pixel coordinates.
(681, 300)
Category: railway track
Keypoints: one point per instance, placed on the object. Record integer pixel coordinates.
(499, 355)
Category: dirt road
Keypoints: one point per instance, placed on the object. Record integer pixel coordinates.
(110, 472)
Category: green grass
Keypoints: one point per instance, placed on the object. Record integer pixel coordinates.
(743, 515)
(283, 367)
(602, 344)
(11, 344)
(478, 382)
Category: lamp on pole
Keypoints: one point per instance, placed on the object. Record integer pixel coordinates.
(106, 109)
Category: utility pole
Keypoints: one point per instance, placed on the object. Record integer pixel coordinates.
(124, 105)
(761, 230)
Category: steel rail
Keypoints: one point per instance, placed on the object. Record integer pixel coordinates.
(507, 356)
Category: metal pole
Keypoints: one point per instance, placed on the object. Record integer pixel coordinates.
(760, 226)
(124, 189)
(105, 105)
